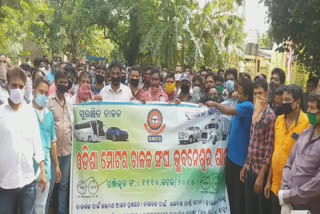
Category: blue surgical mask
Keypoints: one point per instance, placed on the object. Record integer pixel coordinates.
(41, 100)
(230, 86)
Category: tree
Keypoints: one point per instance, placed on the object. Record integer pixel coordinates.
(297, 23)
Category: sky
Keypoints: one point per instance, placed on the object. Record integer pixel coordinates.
(255, 15)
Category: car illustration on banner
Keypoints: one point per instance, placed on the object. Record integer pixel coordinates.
(217, 129)
(190, 135)
(116, 134)
(91, 131)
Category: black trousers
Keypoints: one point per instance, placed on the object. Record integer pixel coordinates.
(255, 203)
(275, 207)
(235, 188)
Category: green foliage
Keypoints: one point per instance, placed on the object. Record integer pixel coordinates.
(159, 32)
(300, 75)
(297, 21)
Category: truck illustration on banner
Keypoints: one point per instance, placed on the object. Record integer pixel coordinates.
(217, 129)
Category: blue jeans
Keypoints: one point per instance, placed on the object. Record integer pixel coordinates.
(63, 186)
(22, 199)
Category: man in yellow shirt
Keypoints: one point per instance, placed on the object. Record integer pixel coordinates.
(287, 129)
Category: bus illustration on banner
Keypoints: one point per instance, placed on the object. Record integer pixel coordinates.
(91, 131)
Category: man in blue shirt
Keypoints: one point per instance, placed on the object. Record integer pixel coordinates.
(48, 140)
(237, 143)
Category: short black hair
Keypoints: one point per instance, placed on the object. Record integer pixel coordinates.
(155, 71)
(231, 71)
(212, 76)
(203, 68)
(26, 67)
(147, 68)
(35, 73)
(313, 80)
(84, 74)
(219, 78)
(314, 97)
(261, 83)
(247, 86)
(61, 74)
(279, 91)
(260, 76)
(101, 67)
(244, 75)
(220, 71)
(39, 81)
(135, 68)
(170, 75)
(115, 64)
(295, 91)
(281, 74)
(37, 61)
(16, 72)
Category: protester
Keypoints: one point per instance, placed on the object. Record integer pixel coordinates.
(219, 82)
(179, 70)
(80, 68)
(38, 64)
(20, 147)
(209, 83)
(116, 91)
(170, 86)
(244, 76)
(107, 79)
(36, 75)
(100, 75)
(48, 140)
(237, 143)
(185, 95)
(254, 173)
(203, 74)
(231, 76)
(278, 78)
(60, 104)
(123, 79)
(155, 92)
(28, 89)
(146, 78)
(84, 93)
(196, 87)
(277, 101)
(287, 129)
(312, 84)
(134, 80)
(300, 188)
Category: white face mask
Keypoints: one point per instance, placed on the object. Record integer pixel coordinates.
(16, 95)
(28, 89)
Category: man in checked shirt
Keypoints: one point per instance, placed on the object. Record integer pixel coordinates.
(255, 170)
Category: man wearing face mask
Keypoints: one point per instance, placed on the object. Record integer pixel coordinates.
(170, 86)
(255, 170)
(28, 90)
(134, 79)
(100, 78)
(300, 188)
(237, 143)
(60, 103)
(287, 129)
(278, 77)
(185, 95)
(116, 91)
(20, 147)
(48, 140)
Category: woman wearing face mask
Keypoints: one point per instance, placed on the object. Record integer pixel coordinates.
(155, 92)
(84, 93)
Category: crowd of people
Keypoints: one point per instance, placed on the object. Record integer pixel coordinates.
(273, 162)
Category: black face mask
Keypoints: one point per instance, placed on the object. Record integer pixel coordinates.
(123, 80)
(70, 84)
(62, 89)
(115, 81)
(185, 89)
(100, 79)
(286, 108)
(277, 111)
(134, 82)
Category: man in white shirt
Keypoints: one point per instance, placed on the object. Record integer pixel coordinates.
(116, 91)
(20, 146)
